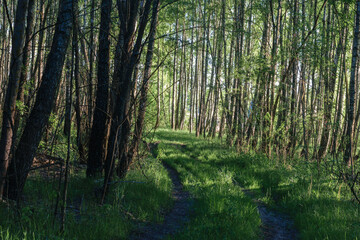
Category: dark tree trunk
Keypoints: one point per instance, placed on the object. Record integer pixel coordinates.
(26, 59)
(122, 80)
(98, 132)
(158, 97)
(348, 158)
(145, 85)
(120, 127)
(44, 102)
(79, 142)
(12, 90)
(91, 63)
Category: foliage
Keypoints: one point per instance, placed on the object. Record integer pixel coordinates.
(142, 196)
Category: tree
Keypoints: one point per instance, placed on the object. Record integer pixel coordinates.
(39, 116)
(97, 139)
(348, 156)
(145, 84)
(8, 118)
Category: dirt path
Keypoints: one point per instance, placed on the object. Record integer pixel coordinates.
(274, 225)
(173, 220)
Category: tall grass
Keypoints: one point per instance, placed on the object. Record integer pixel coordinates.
(214, 174)
(141, 197)
(321, 207)
(221, 210)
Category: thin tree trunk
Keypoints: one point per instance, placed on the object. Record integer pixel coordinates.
(26, 60)
(139, 126)
(79, 143)
(348, 156)
(174, 84)
(91, 63)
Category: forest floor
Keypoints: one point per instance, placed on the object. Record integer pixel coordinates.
(174, 219)
(283, 199)
(274, 225)
(190, 188)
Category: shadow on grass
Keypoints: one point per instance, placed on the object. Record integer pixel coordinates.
(311, 201)
(221, 210)
(142, 196)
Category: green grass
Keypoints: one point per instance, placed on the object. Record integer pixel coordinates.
(214, 174)
(207, 169)
(221, 210)
(312, 200)
(141, 196)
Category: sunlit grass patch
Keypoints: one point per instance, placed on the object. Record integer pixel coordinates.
(320, 208)
(221, 210)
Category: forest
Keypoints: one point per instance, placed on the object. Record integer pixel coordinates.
(179, 119)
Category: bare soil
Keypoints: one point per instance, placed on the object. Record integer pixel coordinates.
(274, 225)
(175, 219)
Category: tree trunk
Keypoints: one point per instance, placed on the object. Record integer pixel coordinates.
(97, 148)
(91, 64)
(44, 102)
(120, 127)
(145, 85)
(173, 115)
(8, 118)
(26, 60)
(79, 143)
(348, 158)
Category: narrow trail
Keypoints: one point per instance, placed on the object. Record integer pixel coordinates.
(175, 219)
(274, 225)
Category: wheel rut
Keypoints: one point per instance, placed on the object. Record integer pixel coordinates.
(274, 225)
(175, 219)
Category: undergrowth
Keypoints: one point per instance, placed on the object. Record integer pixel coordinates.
(221, 209)
(214, 174)
(321, 207)
(140, 197)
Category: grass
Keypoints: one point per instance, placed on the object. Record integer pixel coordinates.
(208, 168)
(141, 196)
(214, 174)
(312, 200)
(221, 210)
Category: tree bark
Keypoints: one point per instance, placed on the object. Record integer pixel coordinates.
(120, 127)
(44, 102)
(97, 148)
(145, 85)
(348, 158)
(8, 118)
